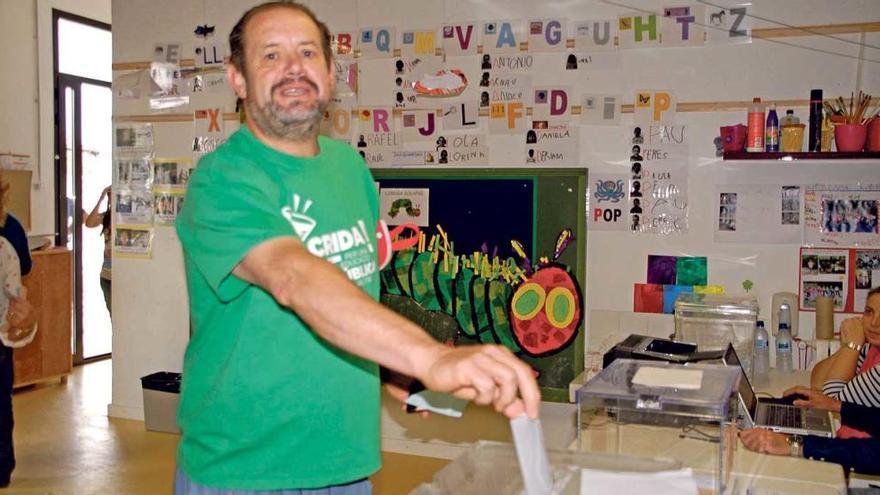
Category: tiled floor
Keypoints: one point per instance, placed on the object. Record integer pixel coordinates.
(66, 444)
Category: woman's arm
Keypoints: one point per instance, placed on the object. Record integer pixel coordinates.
(863, 389)
(852, 338)
(819, 375)
(94, 218)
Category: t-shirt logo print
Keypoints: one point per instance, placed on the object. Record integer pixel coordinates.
(302, 224)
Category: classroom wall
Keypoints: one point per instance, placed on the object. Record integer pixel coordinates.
(26, 91)
(151, 316)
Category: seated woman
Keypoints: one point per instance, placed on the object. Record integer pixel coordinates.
(852, 374)
(859, 454)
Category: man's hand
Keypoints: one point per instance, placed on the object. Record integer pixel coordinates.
(851, 331)
(765, 441)
(486, 374)
(400, 391)
(815, 399)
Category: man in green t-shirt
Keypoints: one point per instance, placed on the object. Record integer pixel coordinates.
(281, 387)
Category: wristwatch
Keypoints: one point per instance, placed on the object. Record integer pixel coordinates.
(852, 345)
(795, 445)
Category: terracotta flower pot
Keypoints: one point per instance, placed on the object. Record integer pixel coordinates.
(850, 137)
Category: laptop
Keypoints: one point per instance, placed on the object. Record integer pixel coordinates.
(773, 415)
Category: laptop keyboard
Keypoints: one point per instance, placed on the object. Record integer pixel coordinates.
(779, 415)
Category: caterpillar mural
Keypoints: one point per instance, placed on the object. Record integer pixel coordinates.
(533, 310)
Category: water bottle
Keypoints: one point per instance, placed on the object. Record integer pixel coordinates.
(762, 354)
(785, 315)
(783, 349)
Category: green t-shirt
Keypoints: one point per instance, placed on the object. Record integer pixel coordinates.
(265, 403)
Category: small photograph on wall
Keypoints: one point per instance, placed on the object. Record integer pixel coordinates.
(859, 216)
(791, 205)
(133, 172)
(134, 138)
(134, 206)
(727, 212)
(867, 275)
(171, 173)
(812, 290)
(825, 272)
(132, 241)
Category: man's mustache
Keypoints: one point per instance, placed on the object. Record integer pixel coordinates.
(293, 80)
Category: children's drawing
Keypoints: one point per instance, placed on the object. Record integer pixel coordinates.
(610, 190)
(403, 204)
(533, 310)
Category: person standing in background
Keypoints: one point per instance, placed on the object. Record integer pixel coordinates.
(95, 218)
(19, 315)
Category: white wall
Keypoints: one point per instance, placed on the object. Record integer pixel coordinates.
(151, 322)
(26, 90)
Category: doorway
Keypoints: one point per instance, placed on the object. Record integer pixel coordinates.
(83, 144)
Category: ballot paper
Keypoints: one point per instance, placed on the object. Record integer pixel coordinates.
(681, 482)
(682, 378)
(437, 402)
(528, 438)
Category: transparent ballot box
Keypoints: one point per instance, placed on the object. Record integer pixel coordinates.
(493, 468)
(712, 321)
(662, 410)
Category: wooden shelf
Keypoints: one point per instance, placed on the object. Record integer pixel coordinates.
(814, 155)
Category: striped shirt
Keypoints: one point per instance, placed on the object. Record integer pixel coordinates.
(864, 388)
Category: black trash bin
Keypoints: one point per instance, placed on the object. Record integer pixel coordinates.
(161, 396)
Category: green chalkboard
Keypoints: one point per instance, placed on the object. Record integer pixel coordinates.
(483, 210)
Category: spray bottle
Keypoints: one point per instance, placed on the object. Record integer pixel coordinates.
(771, 137)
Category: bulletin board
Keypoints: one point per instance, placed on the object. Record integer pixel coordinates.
(482, 210)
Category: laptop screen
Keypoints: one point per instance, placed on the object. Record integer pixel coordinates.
(745, 388)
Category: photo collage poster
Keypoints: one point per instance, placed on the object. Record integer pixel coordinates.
(841, 215)
(847, 275)
(132, 199)
(658, 195)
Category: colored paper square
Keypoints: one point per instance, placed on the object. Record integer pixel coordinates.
(709, 289)
(691, 270)
(661, 269)
(647, 298)
(670, 293)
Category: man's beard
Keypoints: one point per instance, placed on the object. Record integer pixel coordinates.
(296, 124)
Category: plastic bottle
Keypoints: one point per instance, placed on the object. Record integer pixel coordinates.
(785, 314)
(789, 118)
(755, 133)
(815, 137)
(762, 354)
(771, 134)
(783, 349)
